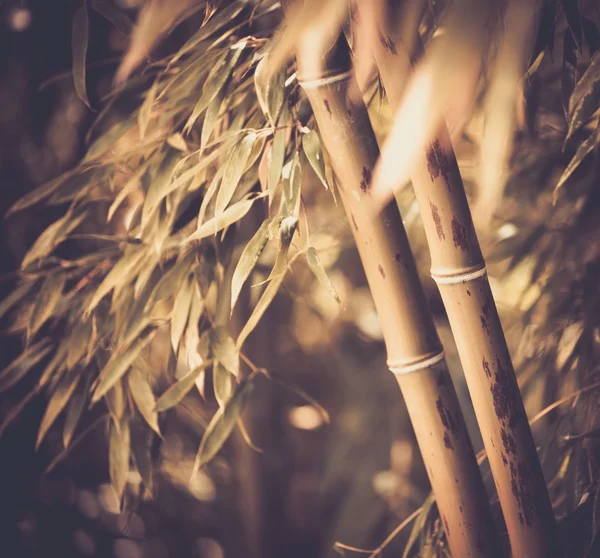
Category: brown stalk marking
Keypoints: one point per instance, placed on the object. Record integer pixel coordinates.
(438, 163)
(388, 44)
(448, 442)
(459, 235)
(365, 183)
(354, 222)
(435, 214)
(327, 106)
(381, 271)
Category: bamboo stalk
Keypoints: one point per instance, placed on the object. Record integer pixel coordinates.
(458, 267)
(414, 350)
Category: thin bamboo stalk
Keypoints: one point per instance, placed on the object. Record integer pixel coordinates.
(459, 269)
(414, 350)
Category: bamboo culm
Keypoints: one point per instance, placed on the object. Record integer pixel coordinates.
(414, 351)
(458, 267)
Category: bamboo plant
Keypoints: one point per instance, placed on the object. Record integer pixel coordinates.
(459, 269)
(414, 351)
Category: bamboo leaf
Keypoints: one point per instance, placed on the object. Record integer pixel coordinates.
(317, 268)
(113, 14)
(17, 409)
(75, 409)
(159, 186)
(585, 95)
(115, 402)
(223, 383)
(176, 141)
(46, 302)
(140, 450)
(250, 256)
(79, 46)
(59, 399)
(17, 369)
(222, 424)
(270, 89)
(585, 149)
(591, 34)
(286, 229)
(143, 397)
(277, 159)
(119, 363)
(230, 216)
(312, 149)
(170, 281)
(419, 525)
(181, 311)
(16, 295)
(180, 389)
(40, 193)
(145, 111)
(571, 11)
(292, 192)
(569, 70)
(211, 117)
(78, 342)
(234, 170)
(119, 439)
(224, 349)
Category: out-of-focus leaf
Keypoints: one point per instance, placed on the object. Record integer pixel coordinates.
(79, 46)
(176, 141)
(40, 193)
(171, 280)
(230, 216)
(312, 149)
(75, 409)
(270, 90)
(159, 187)
(584, 100)
(16, 410)
(222, 424)
(59, 399)
(571, 11)
(317, 268)
(51, 237)
(105, 142)
(419, 525)
(57, 363)
(246, 435)
(223, 382)
(211, 117)
(286, 230)
(140, 450)
(249, 257)
(569, 70)
(17, 369)
(46, 301)
(181, 310)
(119, 363)
(234, 170)
(126, 190)
(119, 439)
(590, 31)
(585, 149)
(112, 13)
(224, 349)
(180, 389)
(15, 296)
(143, 397)
(145, 111)
(78, 342)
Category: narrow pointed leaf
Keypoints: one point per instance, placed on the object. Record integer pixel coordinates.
(223, 383)
(181, 311)
(57, 403)
(140, 451)
(585, 149)
(317, 268)
(230, 216)
(211, 117)
(312, 149)
(170, 281)
(115, 402)
(224, 349)
(118, 456)
(15, 296)
(180, 389)
(142, 395)
(569, 70)
(583, 94)
(119, 363)
(79, 46)
(270, 90)
(75, 409)
(17, 369)
(222, 424)
(112, 13)
(46, 301)
(571, 11)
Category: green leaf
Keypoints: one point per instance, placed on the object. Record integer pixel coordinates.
(585, 149)
(181, 311)
(222, 424)
(57, 403)
(317, 268)
(143, 397)
(286, 229)
(180, 389)
(312, 149)
(17, 369)
(119, 363)
(75, 409)
(16, 295)
(234, 170)
(250, 256)
(223, 383)
(46, 301)
(224, 349)
(79, 46)
(119, 439)
(230, 216)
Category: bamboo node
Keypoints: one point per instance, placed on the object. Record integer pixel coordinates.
(458, 275)
(414, 365)
(324, 81)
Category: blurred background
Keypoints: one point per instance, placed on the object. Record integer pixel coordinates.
(308, 484)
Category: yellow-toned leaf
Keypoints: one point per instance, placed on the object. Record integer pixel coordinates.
(143, 397)
(317, 268)
(224, 349)
(140, 451)
(119, 439)
(270, 89)
(181, 310)
(17, 369)
(78, 342)
(115, 401)
(223, 383)
(312, 149)
(46, 301)
(180, 389)
(211, 117)
(16, 295)
(75, 409)
(585, 149)
(79, 46)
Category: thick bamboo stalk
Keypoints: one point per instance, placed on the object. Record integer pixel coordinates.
(458, 267)
(414, 350)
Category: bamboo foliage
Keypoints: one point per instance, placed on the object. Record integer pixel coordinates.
(414, 351)
(459, 269)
